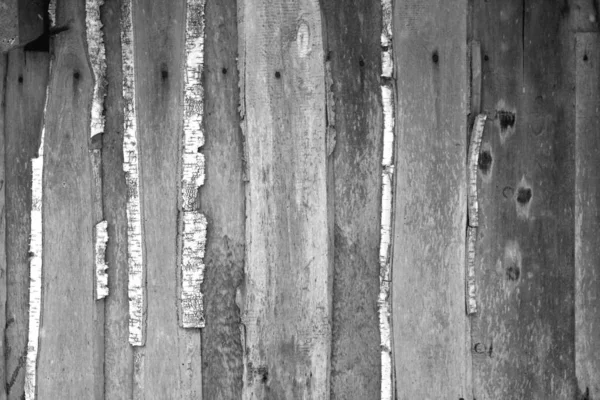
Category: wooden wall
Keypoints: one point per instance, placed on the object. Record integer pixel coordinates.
(293, 122)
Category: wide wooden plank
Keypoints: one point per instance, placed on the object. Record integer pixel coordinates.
(523, 339)
(69, 349)
(222, 200)
(587, 208)
(118, 369)
(169, 365)
(286, 298)
(3, 287)
(26, 82)
(429, 321)
(354, 119)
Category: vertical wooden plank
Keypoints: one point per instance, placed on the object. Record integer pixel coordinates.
(68, 350)
(3, 286)
(26, 83)
(222, 199)
(286, 298)
(169, 365)
(587, 207)
(118, 367)
(429, 321)
(523, 340)
(353, 42)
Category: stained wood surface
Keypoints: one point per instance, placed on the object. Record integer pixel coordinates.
(428, 304)
(169, 365)
(353, 40)
(118, 370)
(587, 207)
(25, 94)
(286, 300)
(222, 200)
(69, 327)
(523, 337)
(3, 287)
(21, 21)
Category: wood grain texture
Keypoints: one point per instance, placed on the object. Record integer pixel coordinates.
(26, 82)
(3, 286)
(222, 199)
(587, 207)
(21, 21)
(428, 303)
(523, 337)
(118, 369)
(286, 299)
(69, 352)
(353, 43)
(169, 366)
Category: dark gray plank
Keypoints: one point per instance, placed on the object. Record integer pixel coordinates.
(3, 287)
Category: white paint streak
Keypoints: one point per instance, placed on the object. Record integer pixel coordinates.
(476, 136)
(96, 54)
(137, 275)
(101, 239)
(471, 294)
(387, 94)
(194, 223)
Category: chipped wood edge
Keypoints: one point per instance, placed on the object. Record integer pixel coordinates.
(387, 95)
(97, 58)
(476, 136)
(193, 225)
(100, 241)
(470, 286)
(135, 253)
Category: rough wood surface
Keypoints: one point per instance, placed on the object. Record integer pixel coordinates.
(429, 321)
(68, 352)
(3, 287)
(169, 366)
(118, 369)
(26, 82)
(222, 199)
(286, 299)
(353, 45)
(587, 208)
(21, 21)
(523, 336)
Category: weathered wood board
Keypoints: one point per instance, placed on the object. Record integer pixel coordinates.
(169, 365)
(222, 200)
(21, 21)
(3, 287)
(26, 82)
(355, 138)
(428, 303)
(71, 345)
(118, 369)
(523, 336)
(286, 299)
(587, 208)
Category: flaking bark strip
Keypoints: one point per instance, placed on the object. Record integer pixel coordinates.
(476, 135)
(387, 95)
(137, 273)
(97, 58)
(194, 223)
(470, 285)
(100, 240)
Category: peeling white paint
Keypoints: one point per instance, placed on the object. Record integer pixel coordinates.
(387, 95)
(474, 148)
(101, 239)
(96, 54)
(194, 223)
(135, 254)
(471, 294)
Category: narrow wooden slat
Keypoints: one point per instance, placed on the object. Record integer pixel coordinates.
(353, 32)
(3, 286)
(523, 339)
(26, 83)
(169, 365)
(429, 321)
(222, 199)
(118, 368)
(587, 208)
(286, 300)
(70, 350)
